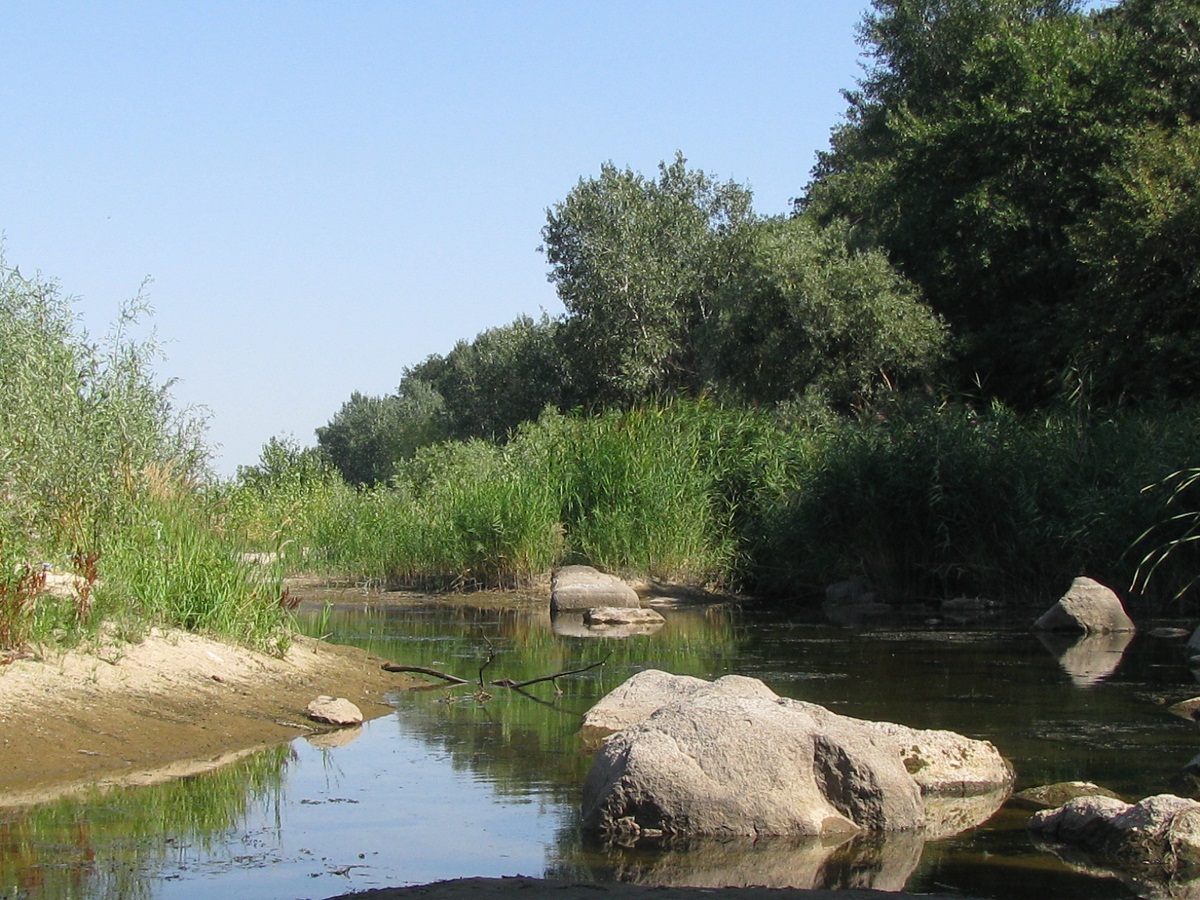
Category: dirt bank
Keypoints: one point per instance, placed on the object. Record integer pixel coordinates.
(517, 888)
(168, 705)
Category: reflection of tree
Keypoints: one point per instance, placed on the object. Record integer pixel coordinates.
(111, 843)
(517, 742)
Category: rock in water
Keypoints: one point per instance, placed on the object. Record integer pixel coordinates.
(582, 587)
(732, 758)
(615, 615)
(1161, 831)
(1088, 607)
(334, 711)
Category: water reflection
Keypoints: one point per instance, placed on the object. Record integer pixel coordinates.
(112, 843)
(883, 862)
(1087, 658)
(456, 784)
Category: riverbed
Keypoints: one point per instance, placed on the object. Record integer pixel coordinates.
(473, 780)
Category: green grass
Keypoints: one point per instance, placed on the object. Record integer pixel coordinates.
(100, 473)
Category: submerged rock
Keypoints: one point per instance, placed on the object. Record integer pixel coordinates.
(1088, 607)
(582, 588)
(732, 758)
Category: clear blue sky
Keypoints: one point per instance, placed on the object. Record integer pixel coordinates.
(325, 193)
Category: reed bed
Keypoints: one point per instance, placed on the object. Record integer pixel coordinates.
(919, 501)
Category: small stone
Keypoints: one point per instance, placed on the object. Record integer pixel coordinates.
(611, 615)
(334, 711)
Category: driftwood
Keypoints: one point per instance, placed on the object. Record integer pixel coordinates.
(453, 679)
(502, 682)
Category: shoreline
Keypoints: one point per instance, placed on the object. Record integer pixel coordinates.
(167, 706)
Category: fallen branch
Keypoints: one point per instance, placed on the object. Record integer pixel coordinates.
(503, 682)
(509, 683)
(453, 679)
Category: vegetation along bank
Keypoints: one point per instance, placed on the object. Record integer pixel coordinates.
(965, 362)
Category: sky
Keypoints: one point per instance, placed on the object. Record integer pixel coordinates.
(314, 196)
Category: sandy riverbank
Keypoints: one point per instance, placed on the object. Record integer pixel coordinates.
(171, 704)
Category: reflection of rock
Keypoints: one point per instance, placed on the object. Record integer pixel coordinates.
(854, 614)
(582, 587)
(1087, 607)
(947, 815)
(1089, 658)
(876, 861)
(329, 740)
(1162, 832)
(732, 758)
(571, 624)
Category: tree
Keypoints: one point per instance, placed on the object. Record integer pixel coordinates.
(807, 313)
(1142, 246)
(968, 152)
(505, 376)
(637, 262)
(369, 435)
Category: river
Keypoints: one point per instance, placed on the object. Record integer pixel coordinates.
(464, 782)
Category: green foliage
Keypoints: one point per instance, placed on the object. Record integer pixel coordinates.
(948, 501)
(1170, 544)
(1142, 247)
(369, 436)
(806, 313)
(177, 562)
(636, 262)
(504, 377)
(98, 467)
(987, 144)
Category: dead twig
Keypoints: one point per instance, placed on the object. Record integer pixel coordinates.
(502, 682)
(509, 683)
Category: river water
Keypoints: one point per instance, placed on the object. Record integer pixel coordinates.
(459, 782)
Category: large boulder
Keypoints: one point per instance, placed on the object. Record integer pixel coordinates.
(1088, 607)
(644, 694)
(1162, 831)
(732, 758)
(577, 588)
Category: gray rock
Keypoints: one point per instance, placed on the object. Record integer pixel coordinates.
(1088, 607)
(615, 615)
(583, 588)
(334, 711)
(1161, 831)
(1052, 796)
(645, 693)
(732, 758)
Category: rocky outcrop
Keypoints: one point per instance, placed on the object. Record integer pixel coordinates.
(732, 758)
(1088, 607)
(577, 588)
(1162, 832)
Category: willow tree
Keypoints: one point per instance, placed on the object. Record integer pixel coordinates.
(638, 263)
